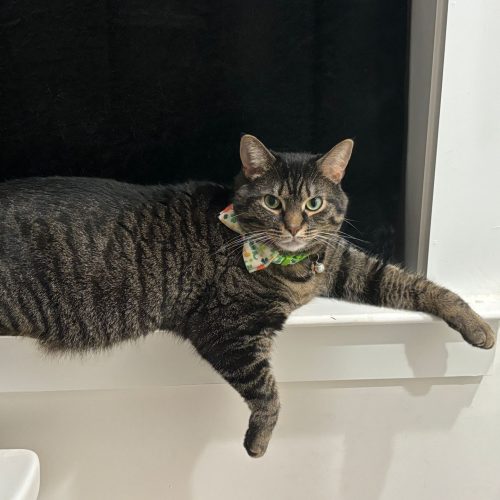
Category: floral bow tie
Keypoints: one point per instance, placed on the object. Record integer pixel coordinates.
(257, 256)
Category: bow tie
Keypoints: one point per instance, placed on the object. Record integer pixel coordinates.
(257, 256)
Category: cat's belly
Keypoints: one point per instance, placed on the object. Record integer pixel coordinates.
(65, 310)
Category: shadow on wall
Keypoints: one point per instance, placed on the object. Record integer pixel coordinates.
(369, 420)
(425, 355)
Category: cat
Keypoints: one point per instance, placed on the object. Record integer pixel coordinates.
(87, 263)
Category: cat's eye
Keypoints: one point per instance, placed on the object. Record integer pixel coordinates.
(272, 202)
(314, 203)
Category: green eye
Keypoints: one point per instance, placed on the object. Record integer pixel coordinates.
(272, 202)
(314, 203)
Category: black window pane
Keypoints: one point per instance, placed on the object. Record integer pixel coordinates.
(159, 91)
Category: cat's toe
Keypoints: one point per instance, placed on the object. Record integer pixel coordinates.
(255, 453)
(482, 337)
(255, 445)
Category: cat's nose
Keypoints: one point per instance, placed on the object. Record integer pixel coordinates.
(293, 230)
(293, 221)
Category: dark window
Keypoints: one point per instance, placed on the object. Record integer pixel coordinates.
(159, 91)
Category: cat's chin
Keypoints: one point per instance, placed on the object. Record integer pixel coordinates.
(291, 246)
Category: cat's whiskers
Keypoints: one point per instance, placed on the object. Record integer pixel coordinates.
(259, 239)
(329, 237)
(348, 236)
(237, 240)
(334, 245)
(336, 242)
(339, 236)
(348, 221)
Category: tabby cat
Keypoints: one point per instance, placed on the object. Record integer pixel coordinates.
(87, 263)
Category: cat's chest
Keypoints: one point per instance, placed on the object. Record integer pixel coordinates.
(298, 286)
(302, 293)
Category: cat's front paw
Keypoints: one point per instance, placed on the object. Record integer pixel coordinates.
(256, 441)
(478, 333)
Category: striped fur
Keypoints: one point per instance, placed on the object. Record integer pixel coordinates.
(88, 263)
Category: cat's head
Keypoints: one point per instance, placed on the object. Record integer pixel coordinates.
(291, 201)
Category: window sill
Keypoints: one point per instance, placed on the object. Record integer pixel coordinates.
(326, 340)
(329, 312)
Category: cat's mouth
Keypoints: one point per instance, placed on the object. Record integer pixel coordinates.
(291, 244)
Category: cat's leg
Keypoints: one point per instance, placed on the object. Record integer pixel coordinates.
(358, 277)
(244, 362)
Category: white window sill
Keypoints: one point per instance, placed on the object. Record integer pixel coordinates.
(326, 340)
(325, 312)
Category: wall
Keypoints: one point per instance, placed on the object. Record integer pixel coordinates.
(465, 230)
(434, 439)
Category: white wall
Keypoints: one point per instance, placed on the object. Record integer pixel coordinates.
(464, 247)
(434, 439)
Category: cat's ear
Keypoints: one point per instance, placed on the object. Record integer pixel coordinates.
(255, 157)
(333, 164)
